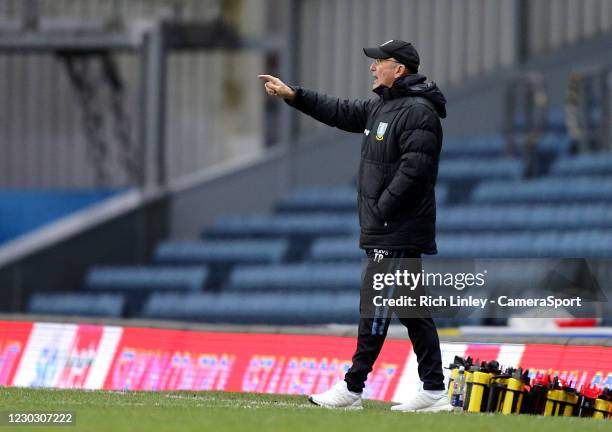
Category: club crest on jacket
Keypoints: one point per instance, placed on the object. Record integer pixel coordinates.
(380, 132)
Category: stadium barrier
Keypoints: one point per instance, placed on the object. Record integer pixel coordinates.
(86, 356)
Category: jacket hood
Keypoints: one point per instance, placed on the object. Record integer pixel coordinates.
(415, 85)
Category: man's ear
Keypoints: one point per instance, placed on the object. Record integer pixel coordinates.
(401, 71)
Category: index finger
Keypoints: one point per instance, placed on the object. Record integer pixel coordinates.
(267, 78)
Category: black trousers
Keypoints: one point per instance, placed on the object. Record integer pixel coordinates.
(373, 330)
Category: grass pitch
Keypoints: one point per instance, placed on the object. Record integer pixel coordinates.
(216, 411)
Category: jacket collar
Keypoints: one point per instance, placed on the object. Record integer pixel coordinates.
(400, 88)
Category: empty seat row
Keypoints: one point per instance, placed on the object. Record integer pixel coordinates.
(587, 243)
(473, 169)
(545, 190)
(592, 243)
(458, 218)
(524, 217)
(136, 279)
(256, 308)
(281, 225)
(336, 199)
(221, 252)
(295, 277)
(475, 146)
(587, 164)
(136, 282)
(555, 121)
(235, 308)
(495, 146)
(333, 200)
(81, 304)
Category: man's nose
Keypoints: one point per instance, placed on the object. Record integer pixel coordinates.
(373, 66)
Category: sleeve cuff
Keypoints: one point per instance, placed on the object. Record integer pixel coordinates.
(298, 95)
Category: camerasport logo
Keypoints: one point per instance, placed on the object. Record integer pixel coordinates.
(67, 356)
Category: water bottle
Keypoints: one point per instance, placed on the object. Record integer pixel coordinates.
(458, 391)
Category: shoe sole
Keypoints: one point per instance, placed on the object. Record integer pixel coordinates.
(438, 408)
(441, 408)
(312, 401)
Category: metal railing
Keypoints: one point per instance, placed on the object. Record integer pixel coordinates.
(526, 116)
(587, 108)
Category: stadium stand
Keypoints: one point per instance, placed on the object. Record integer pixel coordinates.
(545, 190)
(136, 283)
(255, 308)
(81, 304)
(306, 277)
(587, 164)
(305, 252)
(128, 279)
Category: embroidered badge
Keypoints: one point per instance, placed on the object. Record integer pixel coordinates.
(380, 132)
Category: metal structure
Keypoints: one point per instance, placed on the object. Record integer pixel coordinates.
(526, 108)
(87, 49)
(587, 108)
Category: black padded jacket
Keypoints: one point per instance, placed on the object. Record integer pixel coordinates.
(400, 152)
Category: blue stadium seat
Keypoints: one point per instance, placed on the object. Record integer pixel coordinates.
(476, 146)
(144, 279)
(479, 169)
(82, 304)
(331, 199)
(588, 164)
(494, 146)
(256, 308)
(295, 277)
(555, 143)
(522, 244)
(524, 217)
(441, 195)
(336, 249)
(588, 243)
(283, 225)
(555, 121)
(545, 190)
(221, 252)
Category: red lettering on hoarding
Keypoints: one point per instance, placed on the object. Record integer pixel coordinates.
(13, 338)
(581, 365)
(9, 353)
(379, 381)
(151, 359)
(306, 375)
(161, 370)
(154, 359)
(80, 356)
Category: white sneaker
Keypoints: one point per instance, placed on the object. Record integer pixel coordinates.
(426, 401)
(338, 396)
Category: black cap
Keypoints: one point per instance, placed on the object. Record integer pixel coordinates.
(402, 51)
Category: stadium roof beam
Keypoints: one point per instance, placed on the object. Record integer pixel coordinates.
(91, 35)
(152, 41)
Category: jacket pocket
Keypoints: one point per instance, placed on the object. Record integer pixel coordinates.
(372, 180)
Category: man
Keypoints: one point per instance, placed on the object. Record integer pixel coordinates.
(396, 202)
